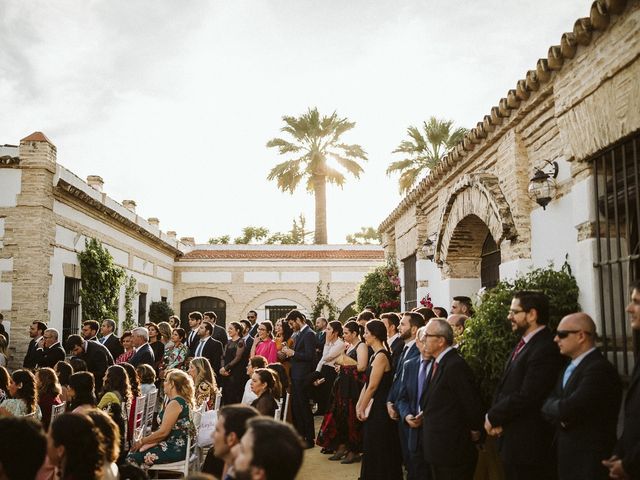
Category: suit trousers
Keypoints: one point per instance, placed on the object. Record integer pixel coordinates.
(464, 471)
(417, 467)
(301, 410)
(529, 472)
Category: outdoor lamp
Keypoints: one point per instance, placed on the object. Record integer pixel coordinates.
(429, 247)
(542, 187)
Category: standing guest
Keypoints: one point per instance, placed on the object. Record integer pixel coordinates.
(90, 330)
(625, 461)
(176, 356)
(116, 397)
(254, 363)
(36, 330)
(230, 428)
(451, 407)
(127, 348)
(364, 316)
(49, 349)
(156, 345)
(109, 339)
(204, 382)
(195, 319)
(264, 344)
(252, 317)
(3, 331)
(147, 376)
(63, 371)
(391, 321)
(381, 457)
(321, 335)
(81, 392)
(48, 393)
(110, 442)
(23, 396)
(440, 312)
(302, 357)
(266, 386)
(219, 333)
(233, 371)
(462, 305)
(75, 447)
(457, 322)
(168, 443)
(4, 354)
(28, 444)
(332, 350)
(584, 405)
(143, 351)
(208, 347)
(262, 448)
(4, 383)
(96, 356)
(174, 321)
(341, 432)
(166, 332)
(524, 438)
(283, 337)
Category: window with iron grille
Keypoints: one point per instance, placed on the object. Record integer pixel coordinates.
(274, 312)
(142, 309)
(616, 175)
(410, 283)
(71, 309)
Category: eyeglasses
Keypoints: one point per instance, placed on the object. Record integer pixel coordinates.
(566, 333)
(513, 313)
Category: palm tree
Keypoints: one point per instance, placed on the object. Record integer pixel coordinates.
(314, 141)
(424, 151)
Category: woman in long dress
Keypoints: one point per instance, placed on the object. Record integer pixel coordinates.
(233, 371)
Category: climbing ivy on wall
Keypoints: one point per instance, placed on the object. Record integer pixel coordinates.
(129, 295)
(324, 305)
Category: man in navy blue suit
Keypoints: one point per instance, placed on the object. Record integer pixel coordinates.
(144, 353)
(302, 357)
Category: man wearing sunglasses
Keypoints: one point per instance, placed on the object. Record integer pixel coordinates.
(524, 438)
(584, 405)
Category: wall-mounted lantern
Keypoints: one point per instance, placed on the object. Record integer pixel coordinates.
(542, 186)
(429, 247)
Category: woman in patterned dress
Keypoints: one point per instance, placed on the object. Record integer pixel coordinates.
(169, 443)
(23, 401)
(175, 356)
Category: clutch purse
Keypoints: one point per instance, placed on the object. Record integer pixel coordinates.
(346, 361)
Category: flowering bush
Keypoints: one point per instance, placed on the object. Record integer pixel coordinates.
(381, 287)
(426, 301)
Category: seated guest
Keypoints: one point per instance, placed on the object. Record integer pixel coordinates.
(116, 396)
(147, 379)
(22, 390)
(264, 344)
(21, 457)
(254, 362)
(63, 370)
(4, 383)
(111, 442)
(49, 391)
(4, 351)
(168, 443)
(440, 312)
(78, 364)
(204, 381)
(134, 383)
(176, 354)
(127, 344)
(266, 386)
(264, 446)
(75, 447)
(80, 392)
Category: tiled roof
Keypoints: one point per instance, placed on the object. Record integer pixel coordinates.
(308, 254)
(36, 137)
(598, 20)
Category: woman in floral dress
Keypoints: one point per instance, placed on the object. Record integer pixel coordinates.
(175, 356)
(169, 443)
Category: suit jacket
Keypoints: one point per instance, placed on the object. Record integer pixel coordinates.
(191, 344)
(220, 334)
(628, 446)
(143, 355)
(212, 351)
(114, 346)
(585, 415)
(412, 352)
(4, 332)
(303, 361)
(452, 409)
(407, 400)
(98, 360)
(525, 384)
(48, 357)
(31, 358)
(396, 351)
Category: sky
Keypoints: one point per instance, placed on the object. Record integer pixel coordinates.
(172, 102)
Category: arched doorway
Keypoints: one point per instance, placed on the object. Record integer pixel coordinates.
(348, 311)
(203, 304)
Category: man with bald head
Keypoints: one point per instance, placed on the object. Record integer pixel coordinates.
(583, 407)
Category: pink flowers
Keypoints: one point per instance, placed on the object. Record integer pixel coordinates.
(426, 301)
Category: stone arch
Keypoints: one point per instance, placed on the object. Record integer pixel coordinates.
(475, 200)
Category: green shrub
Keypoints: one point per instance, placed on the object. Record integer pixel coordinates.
(381, 288)
(159, 312)
(488, 339)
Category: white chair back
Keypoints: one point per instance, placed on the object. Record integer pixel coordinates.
(57, 410)
(181, 467)
(218, 401)
(276, 416)
(150, 411)
(285, 407)
(139, 417)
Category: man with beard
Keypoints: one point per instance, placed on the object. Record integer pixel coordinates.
(532, 369)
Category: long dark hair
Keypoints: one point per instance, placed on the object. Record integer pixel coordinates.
(134, 380)
(64, 371)
(83, 445)
(4, 378)
(272, 379)
(116, 380)
(287, 331)
(27, 392)
(354, 327)
(83, 384)
(378, 330)
(336, 326)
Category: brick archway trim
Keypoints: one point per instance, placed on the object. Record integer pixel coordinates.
(476, 194)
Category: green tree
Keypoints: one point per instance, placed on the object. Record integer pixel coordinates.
(222, 240)
(160, 312)
(380, 288)
(366, 236)
(252, 234)
(314, 141)
(424, 150)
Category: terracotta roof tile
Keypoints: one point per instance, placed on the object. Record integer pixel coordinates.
(284, 255)
(36, 137)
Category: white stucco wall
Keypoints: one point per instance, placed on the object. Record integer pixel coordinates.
(10, 186)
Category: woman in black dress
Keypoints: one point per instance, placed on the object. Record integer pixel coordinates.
(234, 375)
(381, 456)
(265, 384)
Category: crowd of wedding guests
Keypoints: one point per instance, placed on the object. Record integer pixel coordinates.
(393, 391)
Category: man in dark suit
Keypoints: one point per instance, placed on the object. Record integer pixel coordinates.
(625, 461)
(391, 321)
(584, 405)
(209, 347)
(302, 358)
(109, 339)
(252, 316)
(49, 349)
(414, 372)
(90, 330)
(143, 351)
(96, 356)
(532, 368)
(195, 319)
(451, 406)
(321, 335)
(36, 331)
(219, 333)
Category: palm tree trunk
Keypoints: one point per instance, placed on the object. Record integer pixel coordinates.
(320, 192)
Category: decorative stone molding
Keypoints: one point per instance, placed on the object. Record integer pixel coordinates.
(129, 205)
(72, 271)
(96, 182)
(143, 287)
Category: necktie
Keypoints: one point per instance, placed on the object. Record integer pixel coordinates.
(517, 350)
(567, 374)
(434, 369)
(422, 376)
(102, 340)
(199, 349)
(191, 337)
